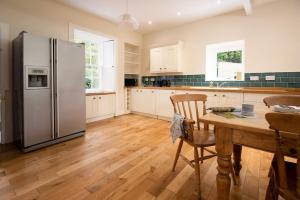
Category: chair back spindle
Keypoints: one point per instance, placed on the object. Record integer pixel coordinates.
(188, 106)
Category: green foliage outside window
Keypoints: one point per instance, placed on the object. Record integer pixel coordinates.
(92, 62)
(230, 56)
(88, 83)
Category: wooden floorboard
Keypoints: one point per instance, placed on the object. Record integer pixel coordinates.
(128, 157)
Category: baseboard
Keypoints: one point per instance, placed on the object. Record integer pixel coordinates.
(144, 114)
(100, 118)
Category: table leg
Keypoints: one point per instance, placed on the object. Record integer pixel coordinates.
(237, 152)
(224, 148)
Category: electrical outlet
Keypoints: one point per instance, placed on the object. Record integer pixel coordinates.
(270, 78)
(254, 78)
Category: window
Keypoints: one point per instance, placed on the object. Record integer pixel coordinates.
(93, 57)
(225, 61)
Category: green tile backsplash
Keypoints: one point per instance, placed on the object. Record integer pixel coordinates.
(282, 79)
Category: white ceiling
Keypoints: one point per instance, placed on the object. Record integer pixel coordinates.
(162, 13)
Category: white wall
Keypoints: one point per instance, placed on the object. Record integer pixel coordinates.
(48, 18)
(271, 34)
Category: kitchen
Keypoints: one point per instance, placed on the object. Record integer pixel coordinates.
(130, 74)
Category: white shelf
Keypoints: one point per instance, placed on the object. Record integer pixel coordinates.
(133, 53)
(132, 63)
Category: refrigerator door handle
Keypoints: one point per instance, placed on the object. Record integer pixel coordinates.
(52, 88)
(56, 88)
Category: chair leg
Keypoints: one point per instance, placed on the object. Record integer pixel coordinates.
(177, 154)
(202, 154)
(233, 175)
(197, 172)
(271, 193)
(270, 169)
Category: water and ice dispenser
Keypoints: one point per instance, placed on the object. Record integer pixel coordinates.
(37, 77)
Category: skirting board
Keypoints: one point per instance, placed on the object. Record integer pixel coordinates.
(152, 116)
(99, 118)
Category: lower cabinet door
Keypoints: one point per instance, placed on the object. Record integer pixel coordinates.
(164, 107)
(231, 99)
(146, 101)
(256, 100)
(91, 106)
(135, 100)
(106, 105)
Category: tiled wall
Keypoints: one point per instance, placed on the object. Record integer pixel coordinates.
(282, 79)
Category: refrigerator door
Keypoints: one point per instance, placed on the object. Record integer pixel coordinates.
(70, 88)
(37, 100)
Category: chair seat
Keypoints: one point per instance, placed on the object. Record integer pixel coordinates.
(291, 172)
(203, 138)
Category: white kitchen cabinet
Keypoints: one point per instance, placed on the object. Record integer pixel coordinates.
(231, 99)
(164, 107)
(91, 107)
(256, 100)
(166, 59)
(106, 104)
(156, 61)
(100, 107)
(135, 100)
(143, 100)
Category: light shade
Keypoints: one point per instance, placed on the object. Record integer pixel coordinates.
(126, 20)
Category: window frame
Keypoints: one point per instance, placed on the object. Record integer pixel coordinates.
(212, 51)
(90, 39)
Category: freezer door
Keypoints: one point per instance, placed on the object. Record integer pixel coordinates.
(37, 101)
(70, 89)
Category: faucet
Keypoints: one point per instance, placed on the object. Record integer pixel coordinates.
(221, 84)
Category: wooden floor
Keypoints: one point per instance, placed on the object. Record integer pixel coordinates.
(129, 157)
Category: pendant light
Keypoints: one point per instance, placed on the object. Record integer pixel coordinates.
(127, 20)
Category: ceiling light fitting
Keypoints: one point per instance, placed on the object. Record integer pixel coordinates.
(127, 20)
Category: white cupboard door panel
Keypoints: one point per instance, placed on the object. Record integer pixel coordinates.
(231, 99)
(256, 100)
(91, 107)
(147, 101)
(106, 105)
(156, 60)
(170, 58)
(135, 100)
(164, 105)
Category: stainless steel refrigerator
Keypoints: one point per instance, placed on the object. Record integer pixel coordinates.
(48, 91)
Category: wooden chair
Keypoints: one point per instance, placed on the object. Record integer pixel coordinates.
(287, 100)
(285, 176)
(200, 137)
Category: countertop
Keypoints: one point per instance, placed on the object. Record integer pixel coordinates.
(98, 92)
(229, 89)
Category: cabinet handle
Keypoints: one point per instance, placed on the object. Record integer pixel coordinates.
(99, 97)
(223, 95)
(172, 92)
(160, 68)
(165, 68)
(141, 90)
(137, 90)
(94, 98)
(152, 91)
(215, 95)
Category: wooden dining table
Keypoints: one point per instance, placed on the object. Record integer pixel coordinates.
(233, 133)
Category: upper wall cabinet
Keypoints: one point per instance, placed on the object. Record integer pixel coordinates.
(166, 58)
